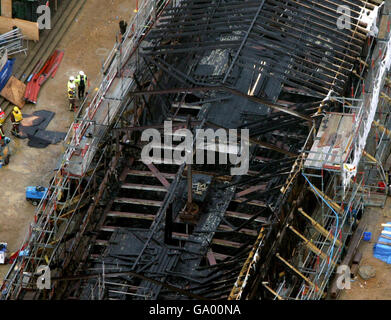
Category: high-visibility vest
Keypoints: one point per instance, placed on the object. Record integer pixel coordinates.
(81, 80)
(17, 115)
(71, 90)
(2, 117)
(71, 85)
(72, 94)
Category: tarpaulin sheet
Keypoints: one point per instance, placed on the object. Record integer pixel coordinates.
(383, 251)
(44, 118)
(52, 137)
(42, 138)
(6, 73)
(35, 130)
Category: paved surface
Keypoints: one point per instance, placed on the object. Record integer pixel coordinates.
(379, 287)
(86, 44)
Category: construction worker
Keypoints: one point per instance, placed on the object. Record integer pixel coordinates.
(3, 139)
(122, 27)
(71, 81)
(81, 81)
(2, 135)
(2, 116)
(16, 118)
(72, 93)
(2, 119)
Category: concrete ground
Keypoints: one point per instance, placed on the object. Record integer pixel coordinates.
(379, 287)
(86, 45)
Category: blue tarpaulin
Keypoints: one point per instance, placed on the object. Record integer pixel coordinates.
(383, 251)
(6, 73)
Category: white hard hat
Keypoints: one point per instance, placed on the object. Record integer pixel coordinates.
(81, 73)
(71, 78)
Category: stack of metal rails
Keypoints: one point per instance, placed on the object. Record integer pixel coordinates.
(113, 227)
(13, 41)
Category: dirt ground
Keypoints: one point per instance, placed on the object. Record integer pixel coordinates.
(86, 45)
(379, 287)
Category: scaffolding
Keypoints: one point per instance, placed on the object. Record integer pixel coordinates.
(332, 174)
(344, 176)
(71, 187)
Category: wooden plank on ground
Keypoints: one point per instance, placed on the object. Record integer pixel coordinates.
(383, 30)
(13, 91)
(29, 29)
(6, 8)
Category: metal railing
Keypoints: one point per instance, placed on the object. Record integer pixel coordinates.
(43, 233)
(144, 19)
(14, 41)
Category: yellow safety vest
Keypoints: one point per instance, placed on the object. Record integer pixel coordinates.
(71, 90)
(18, 116)
(2, 117)
(72, 94)
(80, 79)
(71, 85)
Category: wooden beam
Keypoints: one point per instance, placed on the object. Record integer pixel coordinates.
(100, 242)
(335, 206)
(247, 268)
(130, 215)
(272, 291)
(244, 216)
(248, 232)
(6, 8)
(143, 202)
(385, 96)
(385, 237)
(29, 29)
(141, 173)
(385, 243)
(227, 243)
(306, 279)
(369, 157)
(158, 175)
(320, 228)
(382, 128)
(108, 228)
(311, 246)
(252, 202)
(250, 190)
(220, 242)
(136, 186)
(211, 257)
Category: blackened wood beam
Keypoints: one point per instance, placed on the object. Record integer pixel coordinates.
(224, 88)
